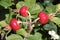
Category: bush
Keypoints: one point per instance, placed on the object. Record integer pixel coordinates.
(29, 20)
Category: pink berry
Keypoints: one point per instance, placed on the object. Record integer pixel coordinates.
(43, 17)
(14, 25)
(23, 11)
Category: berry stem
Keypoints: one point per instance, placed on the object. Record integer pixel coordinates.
(22, 22)
(35, 20)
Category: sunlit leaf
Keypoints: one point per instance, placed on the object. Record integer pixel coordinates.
(14, 37)
(2, 23)
(56, 20)
(6, 3)
(21, 32)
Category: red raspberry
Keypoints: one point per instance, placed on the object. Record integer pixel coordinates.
(23, 11)
(14, 25)
(43, 17)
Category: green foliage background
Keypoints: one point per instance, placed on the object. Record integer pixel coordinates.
(40, 31)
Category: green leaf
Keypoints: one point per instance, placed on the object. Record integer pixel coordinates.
(59, 37)
(9, 17)
(36, 36)
(36, 28)
(21, 32)
(50, 26)
(51, 9)
(58, 6)
(47, 27)
(30, 2)
(58, 15)
(56, 20)
(34, 9)
(19, 4)
(14, 37)
(6, 3)
(0, 29)
(23, 18)
(2, 23)
(48, 1)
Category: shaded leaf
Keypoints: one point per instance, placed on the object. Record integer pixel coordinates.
(36, 36)
(51, 9)
(50, 27)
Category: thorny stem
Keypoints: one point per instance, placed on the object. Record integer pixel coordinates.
(29, 17)
(26, 21)
(29, 28)
(3, 32)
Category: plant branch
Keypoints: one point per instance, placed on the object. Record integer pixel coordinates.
(2, 35)
(29, 28)
(15, 10)
(51, 15)
(29, 17)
